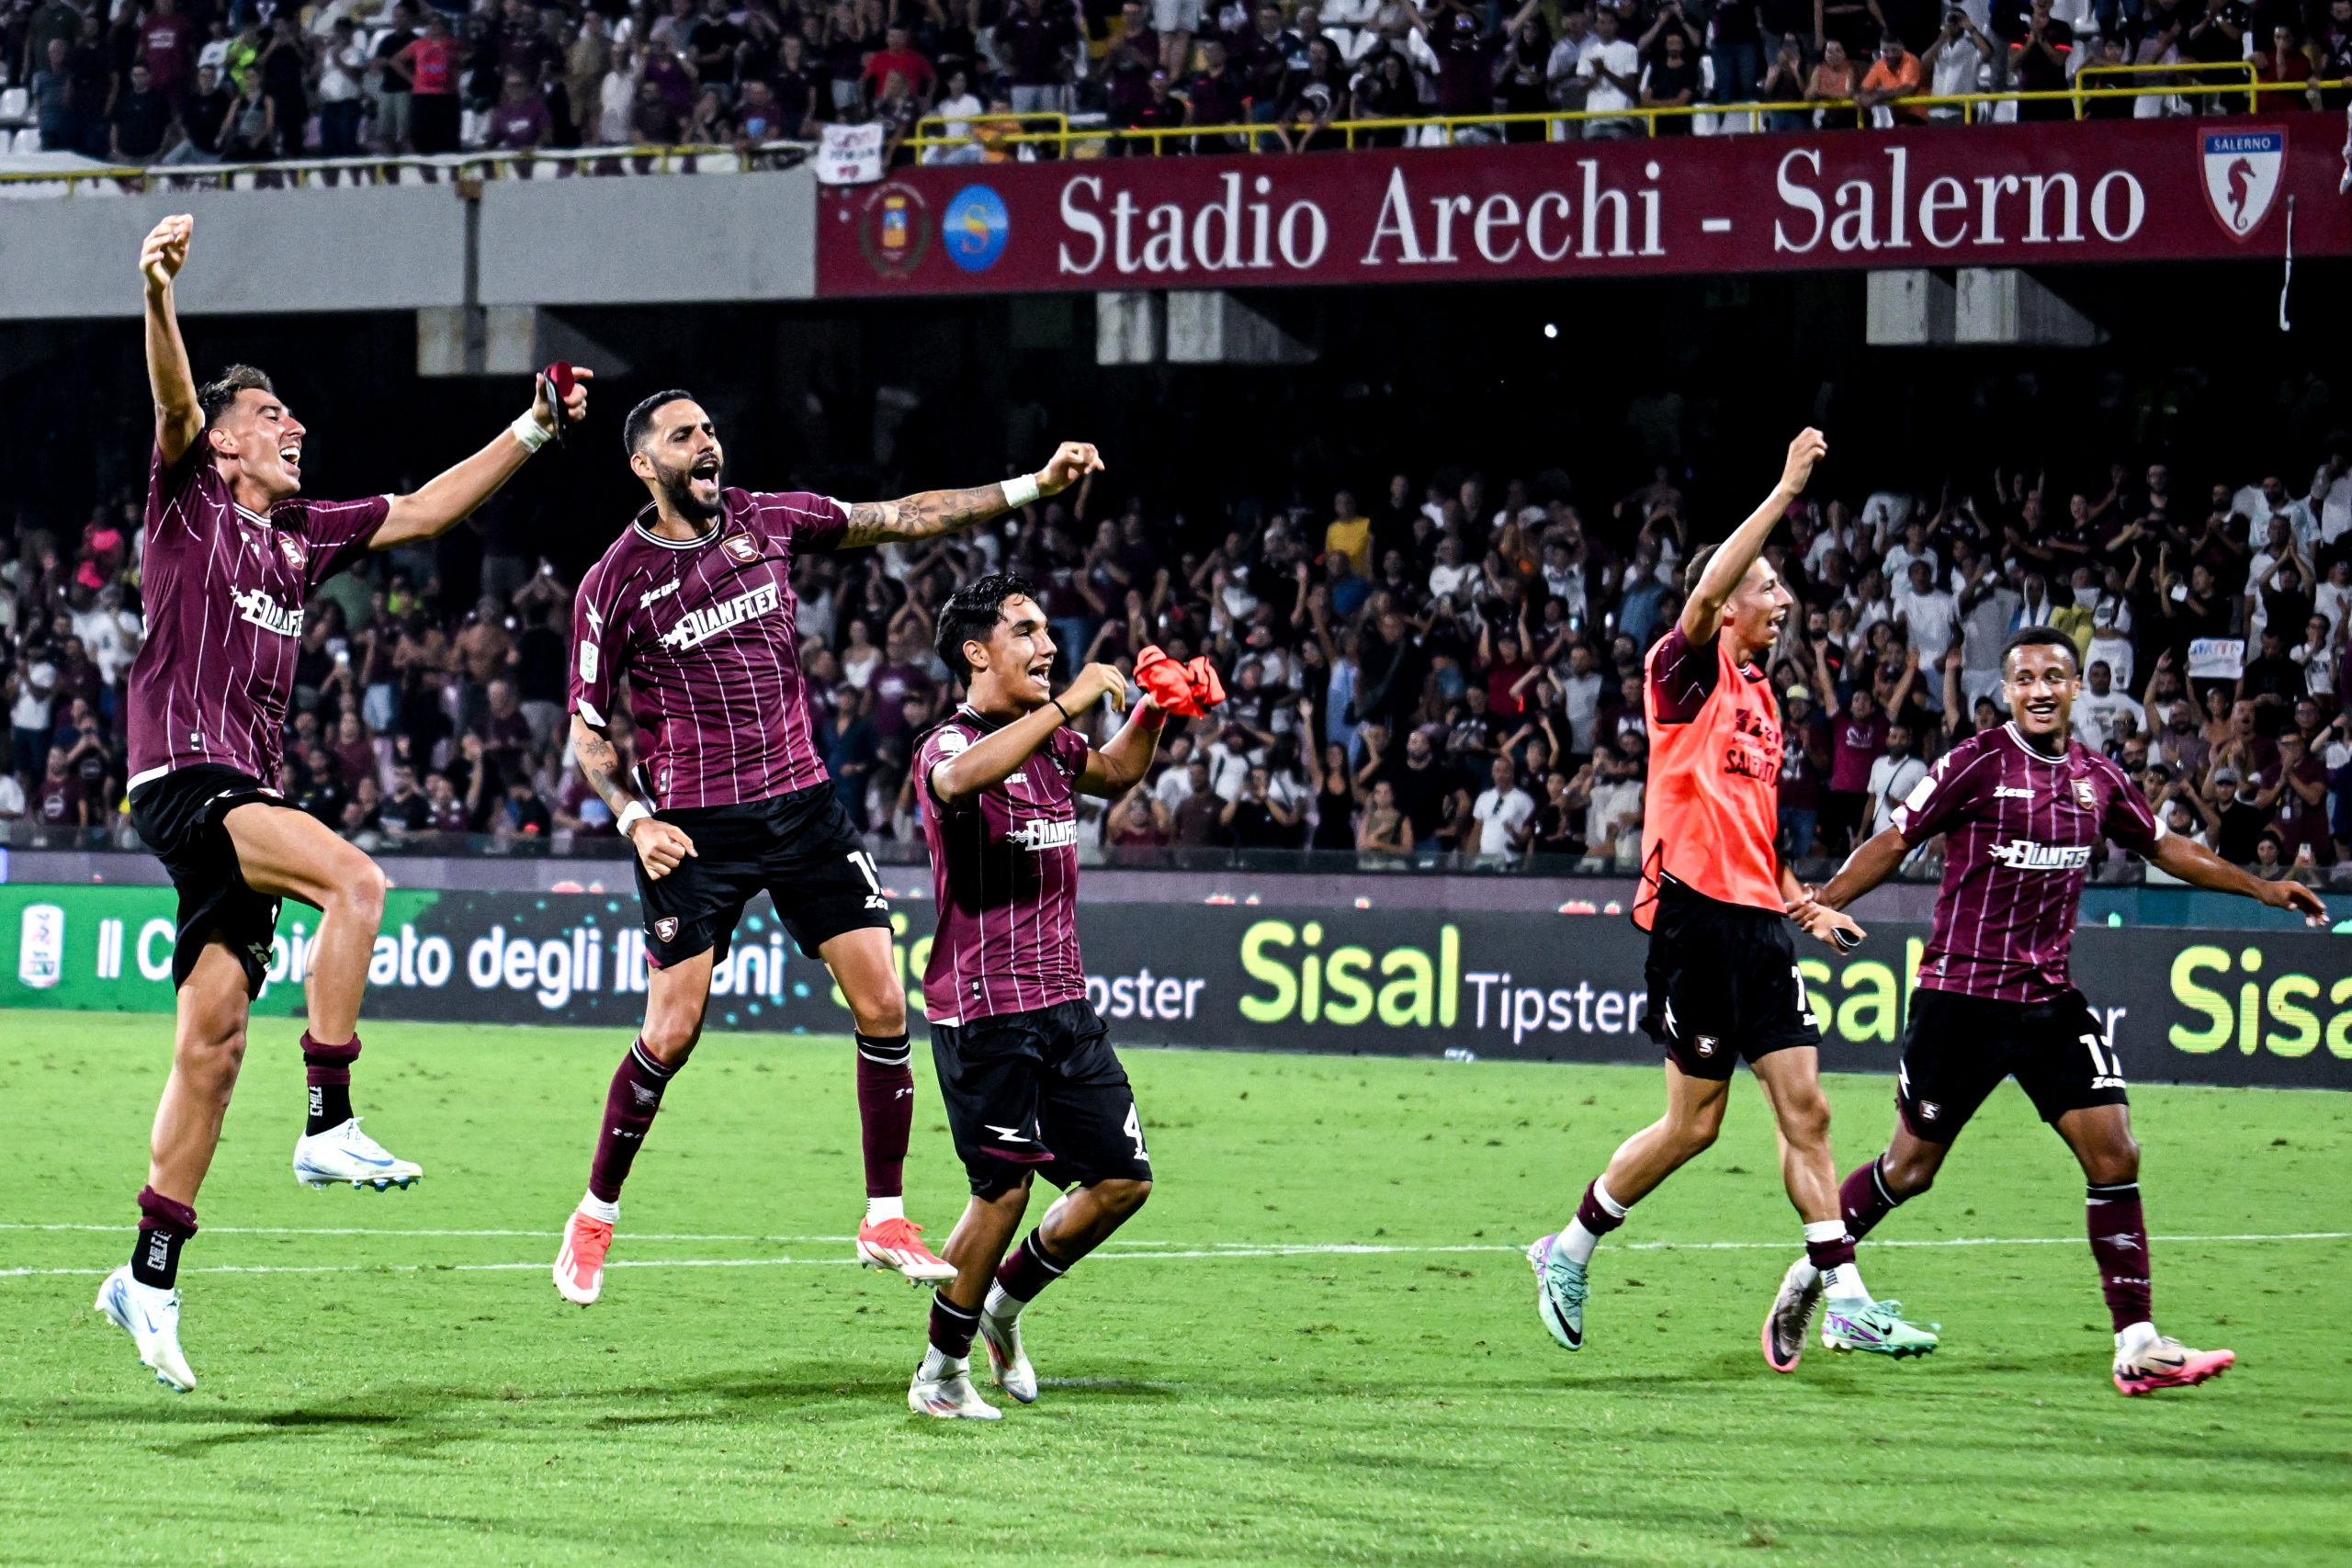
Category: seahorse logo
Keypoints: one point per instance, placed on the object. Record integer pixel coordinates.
(2242, 171)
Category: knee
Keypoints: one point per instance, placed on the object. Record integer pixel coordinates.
(1696, 1134)
(1804, 1121)
(670, 1041)
(360, 891)
(2115, 1166)
(883, 1016)
(1122, 1199)
(1907, 1176)
(215, 1053)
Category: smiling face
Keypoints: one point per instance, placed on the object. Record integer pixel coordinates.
(1015, 667)
(2040, 684)
(680, 460)
(1758, 607)
(258, 444)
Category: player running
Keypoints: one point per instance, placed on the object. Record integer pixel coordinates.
(1721, 968)
(1031, 1083)
(231, 554)
(2022, 807)
(692, 607)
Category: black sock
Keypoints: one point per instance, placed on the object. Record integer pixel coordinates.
(329, 1070)
(164, 1228)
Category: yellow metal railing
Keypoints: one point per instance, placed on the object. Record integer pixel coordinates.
(1260, 134)
(2233, 68)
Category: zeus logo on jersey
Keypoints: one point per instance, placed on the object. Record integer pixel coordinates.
(1037, 837)
(2024, 854)
(266, 613)
(696, 626)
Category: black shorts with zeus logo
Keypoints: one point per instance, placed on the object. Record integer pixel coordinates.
(1038, 1091)
(180, 815)
(800, 848)
(1723, 983)
(1959, 1048)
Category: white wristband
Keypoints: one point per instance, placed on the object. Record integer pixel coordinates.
(1020, 493)
(530, 432)
(634, 811)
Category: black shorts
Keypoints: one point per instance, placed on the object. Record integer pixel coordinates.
(1959, 1048)
(179, 816)
(1039, 1091)
(800, 847)
(1723, 984)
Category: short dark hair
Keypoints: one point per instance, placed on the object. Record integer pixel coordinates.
(2040, 636)
(1696, 568)
(640, 418)
(216, 394)
(971, 612)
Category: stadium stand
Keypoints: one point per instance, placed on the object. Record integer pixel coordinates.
(1434, 668)
(189, 83)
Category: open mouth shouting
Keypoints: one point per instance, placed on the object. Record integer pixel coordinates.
(702, 478)
(1041, 676)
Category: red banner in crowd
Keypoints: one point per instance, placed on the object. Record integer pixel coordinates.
(1980, 196)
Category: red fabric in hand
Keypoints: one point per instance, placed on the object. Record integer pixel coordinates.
(1168, 683)
(1207, 689)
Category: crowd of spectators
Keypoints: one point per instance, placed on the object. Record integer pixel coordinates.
(236, 81)
(1439, 669)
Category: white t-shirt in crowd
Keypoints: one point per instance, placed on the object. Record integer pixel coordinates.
(32, 710)
(1499, 814)
(1893, 779)
(2095, 715)
(1933, 618)
(1622, 58)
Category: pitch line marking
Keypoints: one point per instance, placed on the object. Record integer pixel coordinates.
(1325, 1250)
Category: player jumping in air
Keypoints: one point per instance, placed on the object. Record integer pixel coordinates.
(2022, 807)
(1721, 968)
(1031, 1083)
(233, 551)
(693, 606)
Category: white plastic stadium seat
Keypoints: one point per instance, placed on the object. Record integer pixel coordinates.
(28, 140)
(16, 106)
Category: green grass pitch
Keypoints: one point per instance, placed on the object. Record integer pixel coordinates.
(391, 1378)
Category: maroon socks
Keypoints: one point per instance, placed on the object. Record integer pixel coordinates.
(629, 1105)
(2119, 1242)
(1864, 1198)
(885, 1111)
(329, 1070)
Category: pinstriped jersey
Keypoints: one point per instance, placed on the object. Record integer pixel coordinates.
(224, 590)
(1004, 868)
(703, 631)
(2020, 829)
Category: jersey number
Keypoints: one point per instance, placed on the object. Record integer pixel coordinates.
(2104, 1062)
(864, 864)
(1133, 1128)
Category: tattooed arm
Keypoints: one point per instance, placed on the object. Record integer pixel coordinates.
(935, 512)
(661, 846)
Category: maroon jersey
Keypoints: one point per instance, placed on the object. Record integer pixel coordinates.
(703, 630)
(224, 590)
(1004, 870)
(2020, 828)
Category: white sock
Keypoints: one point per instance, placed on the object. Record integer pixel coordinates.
(936, 1366)
(1578, 1242)
(1001, 1304)
(1845, 1281)
(595, 1208)
(880, 1209)
(2136, 1338)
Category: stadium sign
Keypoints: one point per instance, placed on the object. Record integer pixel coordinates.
(2272, 1006)
(1990, 196)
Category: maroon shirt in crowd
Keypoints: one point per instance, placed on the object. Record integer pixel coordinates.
(1004, 871)
(2021, 828)
(1854, 745)
(703, 630)
(224, 589)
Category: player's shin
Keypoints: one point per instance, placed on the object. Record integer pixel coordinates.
(952, 1329)
(2119, 1233)
(630, 1102)
(1865, 1199)
(164, 1226)
(886, 1113)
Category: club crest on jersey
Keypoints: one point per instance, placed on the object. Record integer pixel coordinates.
(2024, 854)
(1706, 1045)
(666, 928)
(2085, 794)
(258, 608)
(699, 626)
(291, 549)
(741, 546)
(1930, 1111)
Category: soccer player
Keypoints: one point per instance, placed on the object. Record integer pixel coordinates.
(692, 607)
(2022, 807)
(1721, 969)
(233, 551)
(1031, 1083)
